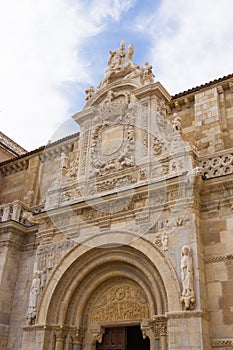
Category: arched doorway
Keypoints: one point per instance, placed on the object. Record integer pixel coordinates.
(122, 338)
(102, 288)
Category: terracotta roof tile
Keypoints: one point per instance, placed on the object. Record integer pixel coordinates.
(197, 88)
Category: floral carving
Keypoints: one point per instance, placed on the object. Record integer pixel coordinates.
(157, 146)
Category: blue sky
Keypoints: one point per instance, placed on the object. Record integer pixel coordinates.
(52, 50)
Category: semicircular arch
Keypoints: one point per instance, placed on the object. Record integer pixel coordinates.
(140, 262)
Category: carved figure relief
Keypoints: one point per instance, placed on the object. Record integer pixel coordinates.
(64, 161)
(177, 124)
(120, 65)
(121, 302)
(73, 170)
(34, 292)
(29, 217)
(89, 93)
(157, 146)
(164, 241)
(48, 257)
(148, 76)
(187, 298)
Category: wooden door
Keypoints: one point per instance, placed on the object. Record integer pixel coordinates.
(113, 339)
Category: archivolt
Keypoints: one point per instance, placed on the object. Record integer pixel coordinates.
(84, 269)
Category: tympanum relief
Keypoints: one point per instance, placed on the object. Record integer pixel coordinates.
(119, 302)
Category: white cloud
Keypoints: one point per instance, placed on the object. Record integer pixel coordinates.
(41, 49)
(99, 10)
(192, 41)
(46, 53)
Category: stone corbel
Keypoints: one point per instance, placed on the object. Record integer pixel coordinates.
(97, 335)
(146, 329)
(220, 89)
(188, 302)
(187, 102)
(168, 109)
(231, 86)
(177, 105)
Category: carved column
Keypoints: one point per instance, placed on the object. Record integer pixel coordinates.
(16, 211)
(77, 338)
(6, 213)
(60, 337)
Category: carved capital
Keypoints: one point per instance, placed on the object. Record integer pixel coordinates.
(61, 333)
(157, 326)
(77, 335)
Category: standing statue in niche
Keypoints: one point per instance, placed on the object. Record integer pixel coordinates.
(64, 161)
(35, 289)
(176, 123)
(164, 241)
(187, 298)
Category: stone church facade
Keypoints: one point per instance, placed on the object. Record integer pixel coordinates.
(121, 236)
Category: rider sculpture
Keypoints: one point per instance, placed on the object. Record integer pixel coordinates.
(120, 64)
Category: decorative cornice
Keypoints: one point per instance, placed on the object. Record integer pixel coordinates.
(218, 258)
(151, 89)
(187, 314)
(14, 167)
(221, 343)
(53, 152)
(52, 327)
(16, 235)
